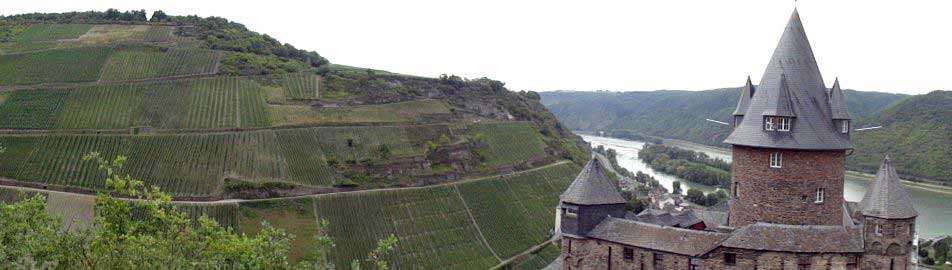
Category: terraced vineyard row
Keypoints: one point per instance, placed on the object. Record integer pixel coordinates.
(516, 211)
(509, 143)
(301, 85)
(195, 103)
(52, 32)
(136, 64)
(66, 65)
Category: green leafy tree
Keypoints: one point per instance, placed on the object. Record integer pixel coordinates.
(696, 196)
(138, 227)
(676, 186)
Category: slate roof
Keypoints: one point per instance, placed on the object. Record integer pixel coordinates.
(797, 238)
(668, 239)
(712, 219)
(837, 103)
(780, 104)
(745, 93)
(592, 187)
(887, 198)
(794, 68)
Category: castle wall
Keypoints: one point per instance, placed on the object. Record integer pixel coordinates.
(892, 246)
(594, 254)
(786, 195)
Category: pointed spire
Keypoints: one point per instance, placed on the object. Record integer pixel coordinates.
(837, 104)
(745, 94)
(779, 104)
(791, 86)
(887, 198)
(592, 187)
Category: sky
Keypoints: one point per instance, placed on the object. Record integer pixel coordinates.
(886, 46)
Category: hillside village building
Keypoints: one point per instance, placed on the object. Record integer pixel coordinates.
(786, 207)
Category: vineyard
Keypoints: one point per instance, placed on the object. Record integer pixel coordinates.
(143, 63)
(517, 211)
(195, 103)
(62, 65)
(508, 143)
(53, 32)
(416, 110)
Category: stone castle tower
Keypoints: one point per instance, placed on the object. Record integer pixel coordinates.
(786, 208)
(788, 154)
(890, 221)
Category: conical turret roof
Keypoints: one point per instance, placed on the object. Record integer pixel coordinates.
(745, 93)
(794, 64)
(887, 198)
(837, 104)
(592, 187)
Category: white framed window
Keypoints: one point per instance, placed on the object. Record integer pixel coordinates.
(769, 123)
(776, 160)
(879, 229)
(845, 126)
(820, 195)
(784, 124)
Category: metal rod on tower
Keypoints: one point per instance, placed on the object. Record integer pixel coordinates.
(719, 122)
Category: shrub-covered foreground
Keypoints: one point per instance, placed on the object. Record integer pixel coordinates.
(148, 233)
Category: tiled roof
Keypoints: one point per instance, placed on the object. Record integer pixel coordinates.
(712, 219)
(837, 103)
(745, 93)
(797, 238)
(792, 67)
(887, 198)
(592, 187)
(668, 239)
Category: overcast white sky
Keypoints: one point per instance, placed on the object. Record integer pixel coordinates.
(890, 46)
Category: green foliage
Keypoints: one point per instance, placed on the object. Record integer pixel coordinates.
(688, 165)
(159, 16)
(916, 134)
(65, 65)
(510, 143)
(239, 63)
(149, 232)
(221, 34)
(676, 187)
(713, 198)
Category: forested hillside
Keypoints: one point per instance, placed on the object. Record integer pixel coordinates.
(915, 133)
(208, 110)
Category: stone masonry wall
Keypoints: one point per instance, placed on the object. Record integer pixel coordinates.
(786, 195)
(892, 246)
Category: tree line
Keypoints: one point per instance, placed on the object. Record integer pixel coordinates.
(689, 165)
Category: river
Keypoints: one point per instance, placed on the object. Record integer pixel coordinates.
(935, 211)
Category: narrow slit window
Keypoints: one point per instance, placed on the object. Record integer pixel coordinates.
(776, 160)
(784, 124)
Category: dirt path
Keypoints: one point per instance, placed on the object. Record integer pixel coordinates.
(231, 201)
(475, 224)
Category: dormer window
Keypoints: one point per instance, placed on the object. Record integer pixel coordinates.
(784, 124)
(777, 123)
(776, 160)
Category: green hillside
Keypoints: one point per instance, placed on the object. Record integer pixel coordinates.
(464, 171)
(915, 133)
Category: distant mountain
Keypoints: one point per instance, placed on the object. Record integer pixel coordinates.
(916, 128)
(917, 133)
(675, 114)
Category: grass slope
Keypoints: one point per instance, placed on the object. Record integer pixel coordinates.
(53, 32)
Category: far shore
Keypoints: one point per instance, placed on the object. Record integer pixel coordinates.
(860, 175)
